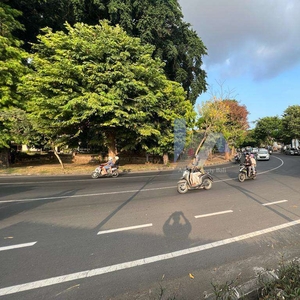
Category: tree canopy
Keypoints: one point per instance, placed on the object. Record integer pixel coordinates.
(100, 79)
(12, 68)
(159, 23)
(268, 129)
(291, 123)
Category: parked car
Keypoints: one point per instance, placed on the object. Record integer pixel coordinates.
(263, 154)
(296, 151)
(292, 151)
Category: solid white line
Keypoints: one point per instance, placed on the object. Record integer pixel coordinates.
(122, 192)
(17, 246)
(214, 214)
(87, 195)
(276, 202)
(125, 228)
(131, 264)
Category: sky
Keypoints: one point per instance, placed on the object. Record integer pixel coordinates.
(253, 49)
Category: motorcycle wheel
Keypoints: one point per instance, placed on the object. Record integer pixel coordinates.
(115, 174)
(207, 184)
(242, 177)
(182, 187)
(95, 175)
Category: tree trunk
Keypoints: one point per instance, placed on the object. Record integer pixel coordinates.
(166, 158)
(111, 143)
(203, 140)
(57, 156)
(4, 158)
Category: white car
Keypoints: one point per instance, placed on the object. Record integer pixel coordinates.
(262, 154)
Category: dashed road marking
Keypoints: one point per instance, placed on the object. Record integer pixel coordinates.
(124, 228)
(272, 203)
(17, 246)
(214, 214)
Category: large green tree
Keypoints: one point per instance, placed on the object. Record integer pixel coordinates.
(159, 23)
(291, 123)
(267, 130)
(12, 68)
(98, 78)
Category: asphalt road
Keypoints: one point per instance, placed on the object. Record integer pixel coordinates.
(132, 237)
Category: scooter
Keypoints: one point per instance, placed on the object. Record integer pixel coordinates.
(113, 172)
(243, 174)
(184, 184)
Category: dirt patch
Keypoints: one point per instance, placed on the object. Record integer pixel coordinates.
(85, 165)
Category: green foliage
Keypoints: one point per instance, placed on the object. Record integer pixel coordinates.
(159, 23)
(291, 123)
(286, 283)
(267, 130)
(12, 68)
(97, 78)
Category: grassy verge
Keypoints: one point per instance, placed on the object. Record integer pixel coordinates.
(280, 284)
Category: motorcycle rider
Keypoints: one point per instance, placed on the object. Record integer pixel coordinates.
(107, 166)
(253, 163)
(248, 164)
(197, 170)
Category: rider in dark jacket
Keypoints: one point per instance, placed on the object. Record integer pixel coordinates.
(247, 163)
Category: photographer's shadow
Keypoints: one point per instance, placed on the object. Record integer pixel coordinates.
(177, 227)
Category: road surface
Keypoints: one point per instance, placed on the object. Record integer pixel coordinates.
(133, 237)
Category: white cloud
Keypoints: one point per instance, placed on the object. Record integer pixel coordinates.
(259, 38)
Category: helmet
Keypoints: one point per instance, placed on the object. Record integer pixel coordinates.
(109, 158)
(116, 157)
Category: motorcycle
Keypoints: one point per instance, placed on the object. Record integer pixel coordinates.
(243, 174)
(184, 184)
(237, 158)
(113, 172)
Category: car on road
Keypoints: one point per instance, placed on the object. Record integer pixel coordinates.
(262, 154)
(291, 151)
(254, 151)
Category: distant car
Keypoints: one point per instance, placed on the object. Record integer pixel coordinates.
(254, 150)
(291, 151)
(262, 154)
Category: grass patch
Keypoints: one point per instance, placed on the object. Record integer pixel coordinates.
(285, 284)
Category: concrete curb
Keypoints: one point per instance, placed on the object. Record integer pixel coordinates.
(251, 289)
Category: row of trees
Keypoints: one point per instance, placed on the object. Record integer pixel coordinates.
(105, 83)
(276, 128)
(124, 80)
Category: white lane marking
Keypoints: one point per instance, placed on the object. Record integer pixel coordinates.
(17, 246)
(140, 262)
(272, 203)
(214, 214)
(87, 195)
(122, 192)
(173, 172)
(125, 228)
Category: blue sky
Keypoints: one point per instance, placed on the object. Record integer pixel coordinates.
(253, 51)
